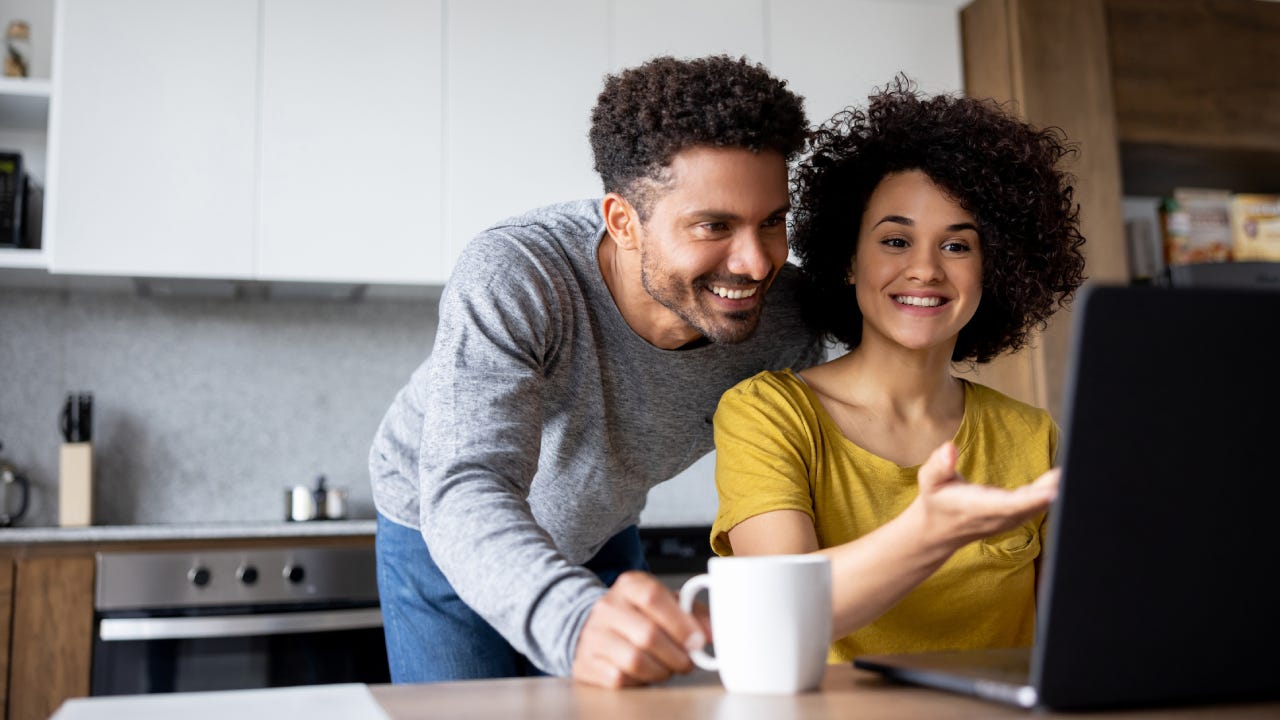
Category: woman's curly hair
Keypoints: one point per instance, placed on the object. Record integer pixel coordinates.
(1000, 169)
(647, 114)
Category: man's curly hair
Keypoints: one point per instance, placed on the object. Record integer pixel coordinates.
(1000, 169)
(645, 115)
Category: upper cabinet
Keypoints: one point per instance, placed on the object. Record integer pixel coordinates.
(340, 141)
(154, 138)
(351, 183)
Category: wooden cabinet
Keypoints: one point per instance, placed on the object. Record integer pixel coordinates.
(47, 613)
(52, 633)
(1157, 94)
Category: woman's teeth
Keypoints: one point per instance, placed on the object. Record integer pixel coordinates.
(918, 301)
(734, 294)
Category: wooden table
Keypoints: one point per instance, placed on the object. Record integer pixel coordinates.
(847, 694)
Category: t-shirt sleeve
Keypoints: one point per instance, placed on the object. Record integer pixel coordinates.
(764, 451)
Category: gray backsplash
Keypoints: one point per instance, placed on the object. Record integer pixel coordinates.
(206, 410)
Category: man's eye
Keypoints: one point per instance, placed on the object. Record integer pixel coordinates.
(715, 227)
(774, 221)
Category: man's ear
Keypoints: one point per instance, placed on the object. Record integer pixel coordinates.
(621, 220)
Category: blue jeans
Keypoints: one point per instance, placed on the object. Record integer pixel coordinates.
(432, 635)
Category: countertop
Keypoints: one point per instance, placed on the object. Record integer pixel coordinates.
(187, 531)
(846, 693)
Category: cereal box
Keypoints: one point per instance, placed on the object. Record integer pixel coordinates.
(1255, 227)
(1197, 226)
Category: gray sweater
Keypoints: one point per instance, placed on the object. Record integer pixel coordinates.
(535, 429)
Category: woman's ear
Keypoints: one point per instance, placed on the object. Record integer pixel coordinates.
(621, 220)
(851, 278)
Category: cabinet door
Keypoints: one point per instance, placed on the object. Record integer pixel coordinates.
(351, 142)
(835, 52)
(52, 634)
(521, 79)
(152, 138)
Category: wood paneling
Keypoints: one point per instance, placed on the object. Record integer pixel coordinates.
(1196, 72)
(6, 623)
(1049, 59)
(52, 634)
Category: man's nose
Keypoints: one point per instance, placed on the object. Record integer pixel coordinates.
(753, 255)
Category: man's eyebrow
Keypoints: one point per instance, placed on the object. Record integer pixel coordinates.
(709, 214)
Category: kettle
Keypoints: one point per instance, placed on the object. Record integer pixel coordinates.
(9, 477)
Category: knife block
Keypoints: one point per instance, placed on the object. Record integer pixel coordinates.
(75, 485)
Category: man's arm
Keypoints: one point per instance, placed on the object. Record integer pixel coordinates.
(482, 432)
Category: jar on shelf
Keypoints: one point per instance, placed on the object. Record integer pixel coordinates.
(17, 56)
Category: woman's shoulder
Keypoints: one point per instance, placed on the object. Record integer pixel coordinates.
(996, 407)
(772, 391)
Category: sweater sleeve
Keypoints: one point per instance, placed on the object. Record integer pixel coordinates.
(764, 452)
(500, 327)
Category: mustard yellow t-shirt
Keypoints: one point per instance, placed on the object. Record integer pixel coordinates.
(778, 449)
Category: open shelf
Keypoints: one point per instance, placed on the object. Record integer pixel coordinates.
(24, 103)
(23, 258)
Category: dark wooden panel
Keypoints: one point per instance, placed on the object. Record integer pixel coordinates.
(1156, 169)
(1196, 72)
(6, 623)
(52, 634)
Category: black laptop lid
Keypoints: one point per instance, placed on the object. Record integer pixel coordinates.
(1162, 589)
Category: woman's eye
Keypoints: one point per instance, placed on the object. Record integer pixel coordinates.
(956, 246)
(894, 242)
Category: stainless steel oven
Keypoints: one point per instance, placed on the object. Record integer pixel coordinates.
(234, 619)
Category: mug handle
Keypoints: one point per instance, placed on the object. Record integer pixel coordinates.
(688, 591)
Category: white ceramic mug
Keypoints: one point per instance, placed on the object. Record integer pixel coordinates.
(770, 618)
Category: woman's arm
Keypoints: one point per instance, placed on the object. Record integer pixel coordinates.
(871, 574)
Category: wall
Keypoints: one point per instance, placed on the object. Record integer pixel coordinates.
(206, 410)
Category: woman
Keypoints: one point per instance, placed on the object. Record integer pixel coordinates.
(932, 231)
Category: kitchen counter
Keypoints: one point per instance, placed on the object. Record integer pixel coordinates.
(187, 531)
(846, 692)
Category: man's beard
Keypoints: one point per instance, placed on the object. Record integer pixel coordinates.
(718, 327)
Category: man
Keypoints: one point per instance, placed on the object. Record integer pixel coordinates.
(580, 353)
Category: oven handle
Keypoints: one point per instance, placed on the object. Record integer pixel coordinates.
(182, 628)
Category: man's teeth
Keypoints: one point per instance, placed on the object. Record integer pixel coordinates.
(734, 294)
(919, 301)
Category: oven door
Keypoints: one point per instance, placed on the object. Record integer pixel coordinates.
(237, 648)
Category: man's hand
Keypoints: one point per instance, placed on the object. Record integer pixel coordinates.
(958, 512)
(636, 634)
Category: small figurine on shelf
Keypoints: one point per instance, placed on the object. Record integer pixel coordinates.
(17, 56)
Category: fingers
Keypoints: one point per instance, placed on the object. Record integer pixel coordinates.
(635, 634)
(938, 469)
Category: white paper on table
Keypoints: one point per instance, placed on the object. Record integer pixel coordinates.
(347, 701)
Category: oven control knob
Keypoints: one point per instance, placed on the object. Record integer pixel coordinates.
(198, 576)
(294, 573)
(248, 574)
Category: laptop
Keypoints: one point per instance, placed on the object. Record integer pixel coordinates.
(1157, 581)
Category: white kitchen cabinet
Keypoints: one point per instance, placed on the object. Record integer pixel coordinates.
(153, 134)
(836, 52)
(351, 147)
(643, 29)
(521, 79)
